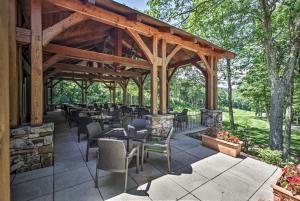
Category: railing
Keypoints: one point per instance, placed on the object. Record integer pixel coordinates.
(187, 122)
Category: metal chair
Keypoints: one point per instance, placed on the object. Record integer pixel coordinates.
(82, 123)
(112, 156)
(159, 145)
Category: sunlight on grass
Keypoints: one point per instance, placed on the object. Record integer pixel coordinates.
(259, 129)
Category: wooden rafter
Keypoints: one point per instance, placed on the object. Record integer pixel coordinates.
(113, 19)
(75, 53)
(206, 63)
(184, 62)
(172, 54)
(52, 60)
(142, 45)
(77, 68)
(54, 30)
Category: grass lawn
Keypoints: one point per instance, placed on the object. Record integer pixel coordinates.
(259, 129)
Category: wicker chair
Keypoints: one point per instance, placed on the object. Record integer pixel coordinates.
(82, 123)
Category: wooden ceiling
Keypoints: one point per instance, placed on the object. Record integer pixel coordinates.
(93, 50)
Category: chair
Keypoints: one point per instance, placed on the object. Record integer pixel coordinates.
(116, 120)
(112, 156)
(82, 123)
(94, 133)
(137, 124)
(158, 145)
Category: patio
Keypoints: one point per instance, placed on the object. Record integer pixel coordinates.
(198, 173)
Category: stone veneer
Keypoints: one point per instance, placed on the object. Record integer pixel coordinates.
(159, 125)
(211, 118)
(31, 147)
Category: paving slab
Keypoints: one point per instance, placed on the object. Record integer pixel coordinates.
(85, 191)
(132, 195)
(113, 184)
(163, 188)
(69, 164)
(31, 175)
(263, 194)
(32, 189)
(71, 178)
(149, 173)
(48, 197)
(201, 152)
(189, 197)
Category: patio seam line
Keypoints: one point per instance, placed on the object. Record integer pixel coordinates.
(263, 183)
(77, 145)
(32, 179)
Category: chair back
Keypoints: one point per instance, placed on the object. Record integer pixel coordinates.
(139, 124)
(111, 155)
(93, 129)
(169, 135)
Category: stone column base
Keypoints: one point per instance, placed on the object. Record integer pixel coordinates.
(159, 125)
(31, 147)
(211, 118)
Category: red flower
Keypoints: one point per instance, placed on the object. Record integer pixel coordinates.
(294, 180)
(290, 187)
(285, 169)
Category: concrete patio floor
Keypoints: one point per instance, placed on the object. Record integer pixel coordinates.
(198, 173)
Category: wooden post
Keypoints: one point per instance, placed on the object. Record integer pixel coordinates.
(141, 92)
(154, 76)
(51, 93)
(125, 102)
(211, 85)
(4, 106)
(13, 66)
(114, 93)
(168, 94)
(163, 79)
(36, 63)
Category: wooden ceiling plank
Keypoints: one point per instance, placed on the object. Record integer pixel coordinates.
(70, 52)
(50, 32)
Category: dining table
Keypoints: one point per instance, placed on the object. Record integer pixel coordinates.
(101, 119)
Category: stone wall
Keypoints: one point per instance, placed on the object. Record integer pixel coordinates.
(31, 147)
(211, 118)
(159, 125)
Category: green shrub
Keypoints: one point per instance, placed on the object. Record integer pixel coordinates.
(270, 156)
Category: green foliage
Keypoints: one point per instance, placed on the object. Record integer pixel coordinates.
(270, 156)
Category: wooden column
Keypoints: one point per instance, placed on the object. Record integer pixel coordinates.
(36, 63)
(211, 85)
(125, 102)
(114, 93)
(51, 93)
(4, 106)
(141, 91)
(13, 66)
(168, 94)
(163, 79)
(154, 76)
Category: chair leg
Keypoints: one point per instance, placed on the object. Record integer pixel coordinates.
(78, 136)
(126, 175)
(169, 162)
(142, 162)
(97, 177)
(137, 160)
(87, 151)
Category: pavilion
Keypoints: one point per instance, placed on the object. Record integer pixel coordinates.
(89, 41)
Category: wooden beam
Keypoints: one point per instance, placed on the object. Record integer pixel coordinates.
(13, 67)
(36, 63)
(23, 36)
(184, 63)
(172, 54)
(52, 60)
(163, 79)
(134, 17)
(88, 77)
(80, 54)
(142, 45)
(154, 77)
(166, 29)
(50, 32)
(77, 68)
(141, 91)
(206, 63)
(4, 106)
(113, 19)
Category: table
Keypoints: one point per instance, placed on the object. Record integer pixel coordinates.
(120, 133)
(101, 119)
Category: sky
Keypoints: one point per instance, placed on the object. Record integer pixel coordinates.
(139, 4)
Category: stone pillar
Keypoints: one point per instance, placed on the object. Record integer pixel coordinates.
(31, 147)
(159, 125)
(211, 118)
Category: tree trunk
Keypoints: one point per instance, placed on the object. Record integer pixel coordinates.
(288, 120)
(230, 110)
(276, 115)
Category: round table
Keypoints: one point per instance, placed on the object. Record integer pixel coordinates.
(101, 119)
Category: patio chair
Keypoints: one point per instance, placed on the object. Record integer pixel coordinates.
(94, 133)
(113, 157)
(159, 145)
(82, 123)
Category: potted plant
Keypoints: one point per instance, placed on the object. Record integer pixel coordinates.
(287, 186)
(222, 141)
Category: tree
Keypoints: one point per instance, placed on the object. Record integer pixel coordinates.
(281, 46)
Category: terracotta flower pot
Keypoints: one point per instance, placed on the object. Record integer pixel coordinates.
(281, 194)
(222, 146)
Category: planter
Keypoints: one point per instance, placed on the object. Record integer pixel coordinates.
(222, 146)
(281, 194)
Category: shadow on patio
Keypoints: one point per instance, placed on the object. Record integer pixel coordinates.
(198, 173)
